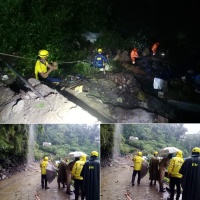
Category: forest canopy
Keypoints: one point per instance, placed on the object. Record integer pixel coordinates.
(148, 138)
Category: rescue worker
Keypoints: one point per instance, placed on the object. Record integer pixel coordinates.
(62, 174)
(153, 168)
(174, 175)
(100, 60)
(163, 165)
(78, 179)
(91, 177)
(134, 55)
(191, 176)
(43, 166)
(137, 160)
(69, 173)
(154, 48)
(41, 68)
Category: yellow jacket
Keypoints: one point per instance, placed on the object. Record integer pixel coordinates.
(43, 166)
(77, 168)
(137, 160)
(40, 67)
(175, 165)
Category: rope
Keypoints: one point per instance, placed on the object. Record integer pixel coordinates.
(11, 55)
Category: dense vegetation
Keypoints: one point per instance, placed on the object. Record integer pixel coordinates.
(59, 25)
(13, 144)
(14, 141)
(151, 137)
(66, 138)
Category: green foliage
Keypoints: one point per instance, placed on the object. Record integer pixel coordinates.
(66, 138)
(107, 139)
(13, 142)
(81, 68)
(151, 137)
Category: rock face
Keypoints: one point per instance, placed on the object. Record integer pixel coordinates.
(122, 90)
(27, 107)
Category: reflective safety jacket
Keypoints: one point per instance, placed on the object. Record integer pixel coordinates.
(175, 165)
(100, 60)
(137, 160)
(134, 55)
(154, 48)
(40, 67)
(77, 168)
(43, 166)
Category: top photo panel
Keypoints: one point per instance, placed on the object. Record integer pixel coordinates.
(99, 62)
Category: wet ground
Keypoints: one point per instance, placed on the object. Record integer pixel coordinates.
(25, 185)
(116, 181)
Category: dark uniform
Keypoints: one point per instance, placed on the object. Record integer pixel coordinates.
(191, 176)
(153, 169)
(62, 177)
(91, 178)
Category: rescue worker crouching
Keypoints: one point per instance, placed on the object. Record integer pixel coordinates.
(100, 60)
(41, 68)
(78, 179)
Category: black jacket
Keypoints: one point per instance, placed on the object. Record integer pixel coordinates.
(91, 178)
(191, 178)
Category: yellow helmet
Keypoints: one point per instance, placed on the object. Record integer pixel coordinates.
(43, 53)
(139, 153)
(45, 158)
(94, 153)
(100, 50)
(179, 153)
(155, 153)
(196, 150)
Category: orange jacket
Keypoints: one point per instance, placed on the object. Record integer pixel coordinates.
(154, 47)
(134, 54)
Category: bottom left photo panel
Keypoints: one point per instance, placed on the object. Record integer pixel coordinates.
(49, 161)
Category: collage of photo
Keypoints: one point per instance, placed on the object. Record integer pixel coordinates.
(99, 100)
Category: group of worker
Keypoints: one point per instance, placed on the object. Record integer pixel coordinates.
(182, 173)
(85, 174)
(44, 68)
(134, 52)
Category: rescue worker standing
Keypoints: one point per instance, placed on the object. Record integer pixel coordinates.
(163, 165)
(137, 160)
(69, 174)
(62, 177)
(41, 68)
(153, 168)
(134, 55)
(154, 48)
(43, 166)
(91, 177)
(78, 179)
(100, 60)
(174, 175)
(191, 176)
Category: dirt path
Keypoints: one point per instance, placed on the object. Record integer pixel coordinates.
(24, 186)
(116, 180)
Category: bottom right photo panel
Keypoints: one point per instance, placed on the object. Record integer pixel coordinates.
(150, 161)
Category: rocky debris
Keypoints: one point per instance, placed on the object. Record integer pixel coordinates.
(26, 107)
(124, 93)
